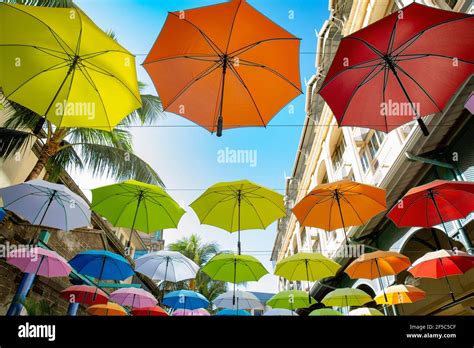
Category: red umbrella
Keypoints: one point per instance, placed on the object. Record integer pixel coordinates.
(150, 312)
(85, 294)
(433, 204)
(442, 264)
(405, 66)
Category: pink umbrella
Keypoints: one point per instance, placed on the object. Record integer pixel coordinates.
(40, 261)
(133, 297)
(191, 312)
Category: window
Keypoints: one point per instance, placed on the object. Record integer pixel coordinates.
(369, 153)
(158, 235)
(375, 142)
(303, 236)
(364, 159)
(325, 178)
(337, 155)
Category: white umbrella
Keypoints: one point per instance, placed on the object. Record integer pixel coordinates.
(46, 204)
(243, 299)
(165, 265)
(280, 312)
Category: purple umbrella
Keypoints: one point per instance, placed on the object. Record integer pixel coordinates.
(133, 297)
(201, 312)
(40, 261)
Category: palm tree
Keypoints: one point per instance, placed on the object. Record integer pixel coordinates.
(102, 152)
(193, 248)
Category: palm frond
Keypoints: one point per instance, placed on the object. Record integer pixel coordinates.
(116, 163)
(119, 138)
(65, 159)
(43, 3)
(150, 112)
(21, 118)
(13, 141)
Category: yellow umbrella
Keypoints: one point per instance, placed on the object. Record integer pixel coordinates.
(365, 311)
(65, 68)
(397, 294)
(108, 309)
(346, 297)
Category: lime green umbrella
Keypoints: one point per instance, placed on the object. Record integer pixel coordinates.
(346, 297)
(325, 312)
(306, 266)
(234, 269)
(290, 299)
(239, 205)
(136, 205)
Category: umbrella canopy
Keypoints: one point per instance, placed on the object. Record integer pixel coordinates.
(239, 205)
(211, 67)
(340, 204)
(149, 312)
(233, 312)
(398, 294)
(199, 312)
(46, 204)
(167, 266)
(102, 264)
(325, 312)
(290, 299)
(84, 294)
(40, 261)
(108, 309)
(377, 264)
(280, 312)
(389, 73)
(243, 299)
(365, 311)
(185, 299)
(346, 297)
(433, 204)
(136, 205)
(133, 297)
(69, 71)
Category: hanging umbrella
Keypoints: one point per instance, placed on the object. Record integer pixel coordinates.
(365, 311)
(397, 294)
(442, 264)
(405, 66)
(234, 269)
(40, 261)
(84, 294)
(339, 204)
(185, 299)
(136, 205)
(198, 312)
(378, 264)
(243, 299)
(69, 70)
(280, 312)
(306, 266)
(239, 205)
(290, 299)
(102, 264)
(233, 312)
(108, 309)
(149, 312)
(133, 298)
(325, 312)
(346, 297)
(46, 204)
(433, 204)
(212, 65)
(167, 266)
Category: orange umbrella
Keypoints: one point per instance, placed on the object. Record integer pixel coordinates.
(340, 204)
(108, 309)
(377, 265)
(224, 66)
(397, 294)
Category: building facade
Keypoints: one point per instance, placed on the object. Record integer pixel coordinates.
(396, 161)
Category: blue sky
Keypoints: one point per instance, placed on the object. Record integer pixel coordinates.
(185, 156)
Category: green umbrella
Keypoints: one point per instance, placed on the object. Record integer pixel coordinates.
(239, 205)
(290, 299)
(136, 205)
(306, 266)
(234, 269)
(346, 297)
(325, 312)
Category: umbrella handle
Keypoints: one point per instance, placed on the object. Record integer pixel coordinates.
(423, 127)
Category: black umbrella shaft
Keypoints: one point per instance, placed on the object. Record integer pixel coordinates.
(70, 70)
(51, 199)
(235, 278)
(307, 278)
(164, 280)
(239, 200)
(135, 218)
(340, 213)
(447, 281)
(380, 279)
(220, 120)
(432, 196)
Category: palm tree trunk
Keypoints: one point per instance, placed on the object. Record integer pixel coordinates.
(39, 166)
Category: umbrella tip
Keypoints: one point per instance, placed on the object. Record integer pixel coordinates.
(220, 122)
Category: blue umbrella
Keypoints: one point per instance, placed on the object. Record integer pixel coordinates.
(237, 312)
(185, 299)
(2, 214)
(102, 264)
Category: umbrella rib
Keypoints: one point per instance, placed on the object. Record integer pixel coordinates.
(371, 47)
(232, 26)
(252, 45)
(257, 65)
(166, 210)
(79, 39)
(146, 215)
(192, 57)
(45, 203)
(452, 205)
(354, 209)
(424, 55)
(255, 209)
(385, 82)
(59, 90)
(210, 210)
(60, 203)
(41, 49)
(392, 35)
